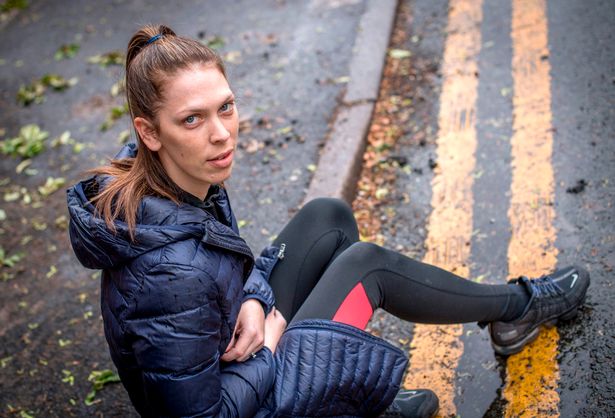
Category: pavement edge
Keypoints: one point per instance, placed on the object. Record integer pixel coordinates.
(341, 158)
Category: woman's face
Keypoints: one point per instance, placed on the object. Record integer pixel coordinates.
(197, 128)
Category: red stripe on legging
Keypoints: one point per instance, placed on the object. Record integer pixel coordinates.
(355, 310)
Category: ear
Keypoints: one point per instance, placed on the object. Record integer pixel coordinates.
(148, 134)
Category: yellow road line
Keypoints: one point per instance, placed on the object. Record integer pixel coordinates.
(435, 350)
(532, 375)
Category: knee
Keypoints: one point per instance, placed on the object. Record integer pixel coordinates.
(358, 252)
(334, 211)
(328, 206)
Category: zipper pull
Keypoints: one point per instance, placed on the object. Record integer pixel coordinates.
(281, 252)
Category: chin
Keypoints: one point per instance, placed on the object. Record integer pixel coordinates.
(222, 178)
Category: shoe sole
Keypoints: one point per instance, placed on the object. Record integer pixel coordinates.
(517, 347)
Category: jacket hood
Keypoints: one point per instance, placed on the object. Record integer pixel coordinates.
(159, 222)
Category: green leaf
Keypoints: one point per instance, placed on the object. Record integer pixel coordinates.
(100, 378)
(23, 165)
(51, 185)
(117, 88)
(107, 59)
(89, 399)
(4, 361)
(9, 5)
(33, 93)
(57, 82)
(63, 139)
(52, 271)
(124, 136)
(214, 42)
(28, 144)
(9, 261)
(341, 80)
(68, 377)
(399, 53)
(115, 113)
(66, 51)
(63, 343)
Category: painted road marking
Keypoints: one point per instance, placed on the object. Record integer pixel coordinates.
(435, 350)
(532, 375)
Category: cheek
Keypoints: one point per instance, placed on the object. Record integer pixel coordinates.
(232, 124)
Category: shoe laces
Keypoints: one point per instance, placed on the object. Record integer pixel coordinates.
(543, 286)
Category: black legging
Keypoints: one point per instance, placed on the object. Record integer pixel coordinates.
(323, 262)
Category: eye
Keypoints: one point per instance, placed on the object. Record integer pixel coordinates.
(191, 120)
(227, 107)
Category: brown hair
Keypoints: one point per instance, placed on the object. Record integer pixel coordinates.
(148, 64)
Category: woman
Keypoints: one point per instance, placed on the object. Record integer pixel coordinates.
(197, 327)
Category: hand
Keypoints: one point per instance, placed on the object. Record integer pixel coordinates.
(275, 324)
(249, 334)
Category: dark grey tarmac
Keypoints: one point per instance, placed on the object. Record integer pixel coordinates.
(582, 60)
(289, 63)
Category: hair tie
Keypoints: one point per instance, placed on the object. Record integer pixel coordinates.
(154, 39)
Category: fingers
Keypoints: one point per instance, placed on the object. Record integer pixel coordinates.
(248, 341)
(275, 319)
(275, 324)
(249, 334)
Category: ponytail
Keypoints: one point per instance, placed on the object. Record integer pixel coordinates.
(153, 54)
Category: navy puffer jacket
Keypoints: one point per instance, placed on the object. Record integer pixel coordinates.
(170, 301)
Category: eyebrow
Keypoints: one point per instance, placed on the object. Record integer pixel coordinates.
(202, 110)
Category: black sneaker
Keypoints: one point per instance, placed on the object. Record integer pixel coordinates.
(554, 297)
(418, 403)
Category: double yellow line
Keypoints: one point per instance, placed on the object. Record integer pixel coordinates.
(531, 376)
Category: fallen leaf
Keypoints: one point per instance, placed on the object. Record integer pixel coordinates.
(117, 88)
(29, 142)
(9, 5)
(52, 271)
(234, 57)
(399, 53)
(22, 165)
(51, 185)
(61, 222)
(66, 51)
(99, 379)
(214, 42)
(124, 136)
(107, 59)
(63, 343)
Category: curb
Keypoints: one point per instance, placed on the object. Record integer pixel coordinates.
(341, 159)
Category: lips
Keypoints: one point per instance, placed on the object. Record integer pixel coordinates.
(221, 156)
(222, 160)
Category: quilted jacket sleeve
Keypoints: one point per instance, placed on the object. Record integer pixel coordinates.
(257, 286)
(177, 351)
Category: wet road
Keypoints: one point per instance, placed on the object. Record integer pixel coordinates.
(287, 63)
(492, 155)
(492, 139)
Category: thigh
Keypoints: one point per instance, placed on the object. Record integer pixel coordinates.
(340, 294)
(313, 238)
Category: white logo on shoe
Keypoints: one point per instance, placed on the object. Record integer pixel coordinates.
(574, 279)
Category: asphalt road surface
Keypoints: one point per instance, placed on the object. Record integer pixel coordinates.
(287, 62)
(491, 154)
(500, 161)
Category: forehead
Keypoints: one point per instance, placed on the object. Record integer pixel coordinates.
(195, 86)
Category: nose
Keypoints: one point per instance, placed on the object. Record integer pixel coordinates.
(219, 133)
